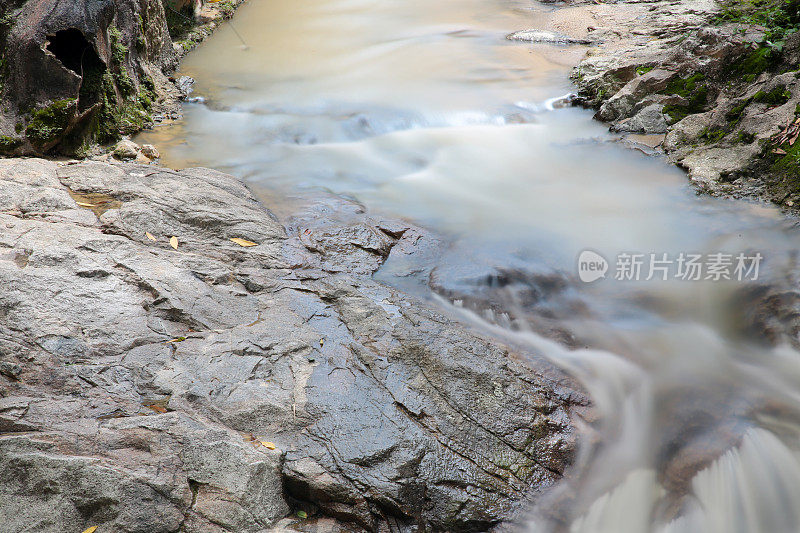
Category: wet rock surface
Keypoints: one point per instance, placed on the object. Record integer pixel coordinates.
(149, 365)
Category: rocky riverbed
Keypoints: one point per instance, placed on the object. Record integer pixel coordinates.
(156, 375)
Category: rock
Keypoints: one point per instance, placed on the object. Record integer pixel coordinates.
(548, 37)
(649, 120)
(185, 85)
(57, 53)
(137, 381)
(150, 152)
(669, 59)
(126, 150)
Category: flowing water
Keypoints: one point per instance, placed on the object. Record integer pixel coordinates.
(424, 110)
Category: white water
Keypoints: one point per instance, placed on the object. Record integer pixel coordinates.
(423, 110)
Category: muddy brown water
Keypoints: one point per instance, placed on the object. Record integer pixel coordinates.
(423, 110)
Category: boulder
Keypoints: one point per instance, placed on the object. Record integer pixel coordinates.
(78, 69)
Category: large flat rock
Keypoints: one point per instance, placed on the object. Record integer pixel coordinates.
(142, 387)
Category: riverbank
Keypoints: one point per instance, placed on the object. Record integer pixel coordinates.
(107, 70)
(717, 86)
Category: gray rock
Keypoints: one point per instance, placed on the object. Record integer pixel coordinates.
(126, 150)
(649, 120)
(150, 152)
(138, 380)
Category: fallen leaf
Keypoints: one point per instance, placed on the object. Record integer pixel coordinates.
(268, 444)
(778, 151)
(150, 236)
(173, 241)
(84, 204)
(243, 242)
(158, 408)
(302, 514)
(179, 339)
(90, 530)
(321, 342)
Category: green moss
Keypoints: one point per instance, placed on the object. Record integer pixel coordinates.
(117, 118)
(18, 127)
(48, 124)
(745, 138)
(141, 44)
(124, 83)
(777, 96)
(118, 50)
(779, 17)
(685, 87)
(735, 114)
(712, 135)
(9, 144)
(643, 70)
(787, 167)
(752, 65)
(693, 89)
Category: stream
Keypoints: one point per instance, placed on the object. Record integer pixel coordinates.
(425, 111)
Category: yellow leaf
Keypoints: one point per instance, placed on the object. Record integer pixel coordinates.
(268, 444)
(179, 339)
(302, 514)
(90, 530)
(243, 242)
(150, 236)
(84, 204)
(173, 241)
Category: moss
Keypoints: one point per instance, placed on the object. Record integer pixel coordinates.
(777, 96)
(643, 70)
(117, 118)
(118, 50)
(735, 114)
(712, 135)
(752, 65)
(18, 127)
(141, 44)
(124, 83)
(9, 144)
(48, 124)
(693, 89)
(745, 138)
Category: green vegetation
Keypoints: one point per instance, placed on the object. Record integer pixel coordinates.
(118, 50)
(777, 96)
(47, 124)
(9, 144)
(779, 17)
(760, 60)
(693, 89)
(643, 70)
(745, 138)
(121, 118)
(712, 135)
